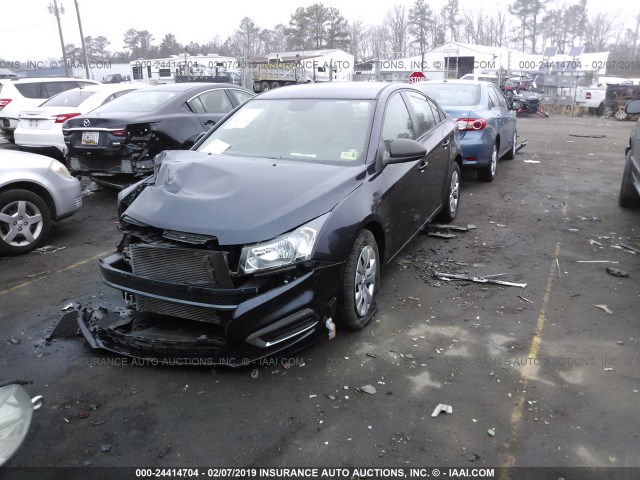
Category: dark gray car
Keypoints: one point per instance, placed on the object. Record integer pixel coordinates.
(630, 188)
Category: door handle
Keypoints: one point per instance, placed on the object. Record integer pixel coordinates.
(423, 165)
(210, 122)
(445, 144)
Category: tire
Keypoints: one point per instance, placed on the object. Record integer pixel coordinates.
(274, 85)
(600, 110)
(629, 197)
(488, 172)
(620, 115)
(264, 87)
(22, 206)
(511, 154)
(452, 198)
(361, 277)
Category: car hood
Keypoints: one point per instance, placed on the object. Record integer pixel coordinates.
(239, 200)
(16, 161)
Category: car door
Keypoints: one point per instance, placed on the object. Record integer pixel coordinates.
(211, 106)
(407, 184)
(503, 119)
(508, 123)
(431, 133)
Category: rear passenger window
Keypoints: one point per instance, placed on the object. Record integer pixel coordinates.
(241, 96)
(53, 88)
(493, 99)
(215, 101)
(397, 122)
(30, 90)
(424, 114)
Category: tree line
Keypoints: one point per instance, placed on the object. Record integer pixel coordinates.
(527, 25)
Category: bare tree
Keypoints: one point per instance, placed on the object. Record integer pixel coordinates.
(397, 24)
(599, 32)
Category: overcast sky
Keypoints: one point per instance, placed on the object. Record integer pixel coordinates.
(29, 31)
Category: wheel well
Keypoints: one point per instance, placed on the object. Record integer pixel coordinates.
(38, 190)
(498, 142)
(458, 160)
(378, 234)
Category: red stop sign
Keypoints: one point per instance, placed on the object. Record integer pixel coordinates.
(416, 77)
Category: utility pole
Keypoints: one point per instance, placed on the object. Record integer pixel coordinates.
(54, 10)
(84, 47)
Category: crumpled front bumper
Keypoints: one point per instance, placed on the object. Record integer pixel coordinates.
(254, 322)
(102, 164)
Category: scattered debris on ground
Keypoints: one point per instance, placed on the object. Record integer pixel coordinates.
(532, 161)
(616, 272)
(452, 276)
(371, 390)
(604, 308)
(48, 249)
(442, 408)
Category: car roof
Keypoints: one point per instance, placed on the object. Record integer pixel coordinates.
(185, 87)
(341, 90)
(50, 79)
(458, 82)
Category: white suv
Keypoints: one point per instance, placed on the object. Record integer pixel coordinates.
(21, 94)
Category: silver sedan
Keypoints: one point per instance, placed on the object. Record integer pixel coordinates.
(34, 191)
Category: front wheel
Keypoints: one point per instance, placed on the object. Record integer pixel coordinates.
(360, 283)
(25, 221)
(452, 200)
(488, 172)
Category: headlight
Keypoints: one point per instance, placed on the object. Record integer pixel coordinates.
(59, 169)
(287, 249)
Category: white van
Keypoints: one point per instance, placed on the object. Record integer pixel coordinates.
(482, 77)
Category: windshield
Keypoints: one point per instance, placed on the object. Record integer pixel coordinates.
(70, 98)
(139, 101)
(452, 94)
(306, 130)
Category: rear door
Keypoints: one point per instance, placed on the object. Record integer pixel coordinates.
(407, 182)
(430, 132)
(211, 106)
(499, 119)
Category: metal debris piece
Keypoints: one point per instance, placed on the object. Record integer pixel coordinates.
(447, 276)
(330, 397)
(372, 355)
(525, 299)
(439, 226)
(532, 161)
(616, 272)
(371, 390)
(441, 235)
(442, 408)
(37, 274)
(604, 308)
(635, 250)
(48, 249)
(521, 145)
(586, 136)
(409, 356)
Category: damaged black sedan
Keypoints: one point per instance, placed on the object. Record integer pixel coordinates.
(272, 230)
(123, 136)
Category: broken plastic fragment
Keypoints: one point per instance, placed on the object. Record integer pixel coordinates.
(369, 389)
(442, 408)
(604, 308)
(492, 432)
(616, 272)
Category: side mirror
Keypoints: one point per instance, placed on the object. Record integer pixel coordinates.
(405, 150)
(632, 107)
(516, 105)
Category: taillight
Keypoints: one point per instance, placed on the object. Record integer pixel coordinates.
(119, 133)
(588, 95)
(4, 102)
(66, 116)
(471, 124)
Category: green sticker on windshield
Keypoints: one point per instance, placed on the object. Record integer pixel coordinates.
(349, 155)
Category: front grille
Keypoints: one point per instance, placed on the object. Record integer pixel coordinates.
(177, 265)
(198, 314)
